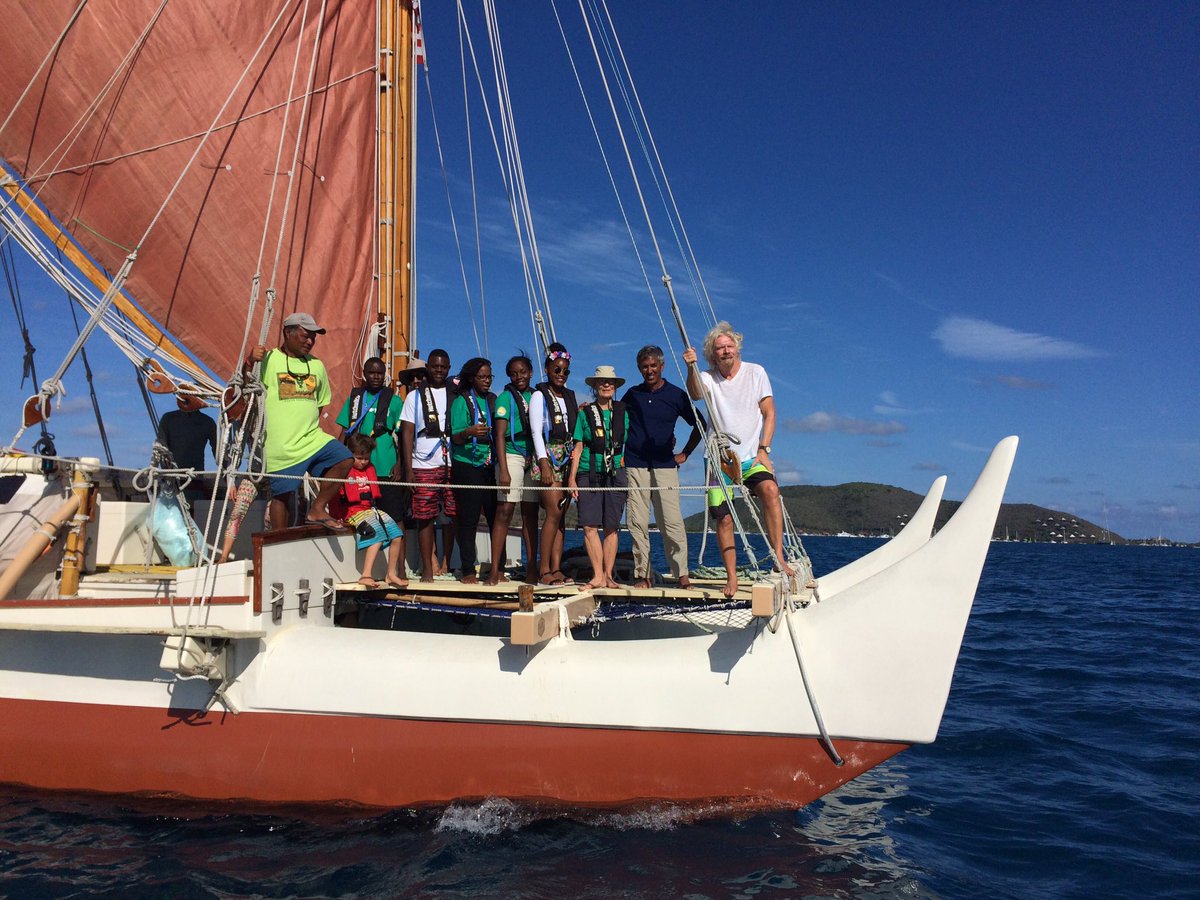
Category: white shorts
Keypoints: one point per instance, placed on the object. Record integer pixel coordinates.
(519, 480)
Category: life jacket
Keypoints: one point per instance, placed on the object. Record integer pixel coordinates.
(606, 444)
(521, 418)
(433, 424)
(366, 489)
(556, 429)
(485, 414)
(383, 401)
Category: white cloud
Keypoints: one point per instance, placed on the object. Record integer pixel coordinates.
(978, 339)
(1017, 383)
(824, 423)
(890, 405)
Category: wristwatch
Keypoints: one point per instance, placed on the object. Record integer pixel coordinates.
(766, 447)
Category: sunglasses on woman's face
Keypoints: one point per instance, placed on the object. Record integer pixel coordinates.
(565, 370)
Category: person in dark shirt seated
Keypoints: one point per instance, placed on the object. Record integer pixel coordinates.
(184, 432)
(654, 406)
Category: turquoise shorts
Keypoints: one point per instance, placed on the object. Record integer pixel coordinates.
(373, 526)
(720, 490)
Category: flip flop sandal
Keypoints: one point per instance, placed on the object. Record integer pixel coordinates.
(328, 524)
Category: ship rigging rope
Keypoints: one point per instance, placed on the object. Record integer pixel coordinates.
(616, 191)
(462, 66)
(44, 174)
(195, 473)
(129, 339)
(54, 384)
(248, 434)
(480, 347)
(536, 319)
(715, 439)
(256, 279)
(76, 130)
(50, 54)
(518, 191)
(641, 123)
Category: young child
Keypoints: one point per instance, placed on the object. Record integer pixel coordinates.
(372, 526)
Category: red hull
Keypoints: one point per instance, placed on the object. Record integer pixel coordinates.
(279, 758)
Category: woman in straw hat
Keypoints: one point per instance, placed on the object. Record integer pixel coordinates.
(598, 462)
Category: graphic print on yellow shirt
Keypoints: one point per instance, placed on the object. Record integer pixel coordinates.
(297, 386)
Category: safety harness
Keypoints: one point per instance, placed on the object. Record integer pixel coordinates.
(606, 444)
(359, 409)
(558, 429)
(481, 414)
(435, 425)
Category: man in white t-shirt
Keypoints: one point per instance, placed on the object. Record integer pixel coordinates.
(738, 395)
(425, 454)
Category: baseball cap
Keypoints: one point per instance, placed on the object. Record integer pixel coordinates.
(305, 321)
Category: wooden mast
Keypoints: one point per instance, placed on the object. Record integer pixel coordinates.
(394, 155)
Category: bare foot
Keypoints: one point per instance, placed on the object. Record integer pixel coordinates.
(609, 583)
(397, 582)
(685, 582)
(369, 582)
(641, 584)
(470, 578)
(593, 584)
(425, 576)
(731, 586)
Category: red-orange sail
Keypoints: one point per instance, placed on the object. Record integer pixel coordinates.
(109, 123)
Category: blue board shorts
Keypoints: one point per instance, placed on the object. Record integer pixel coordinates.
(317, 465)
(373, 526)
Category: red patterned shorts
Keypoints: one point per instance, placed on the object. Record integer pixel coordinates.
(427, 502)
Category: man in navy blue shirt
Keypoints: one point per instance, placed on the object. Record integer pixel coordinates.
(654, 406)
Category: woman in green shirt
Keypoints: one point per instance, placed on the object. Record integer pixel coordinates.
(472, 461)
(598, 461)
(511, 430)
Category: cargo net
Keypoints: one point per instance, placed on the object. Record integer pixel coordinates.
(718, 616)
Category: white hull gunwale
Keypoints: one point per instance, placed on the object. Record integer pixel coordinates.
(378, 717)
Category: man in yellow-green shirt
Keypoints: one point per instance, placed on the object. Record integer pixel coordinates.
(296, 388)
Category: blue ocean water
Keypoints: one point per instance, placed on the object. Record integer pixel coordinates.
(1067, 766)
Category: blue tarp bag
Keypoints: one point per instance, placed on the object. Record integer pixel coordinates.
(174, 531)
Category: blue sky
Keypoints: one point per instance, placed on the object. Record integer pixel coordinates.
(936, 224)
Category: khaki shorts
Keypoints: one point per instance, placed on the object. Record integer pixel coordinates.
(519, 479)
